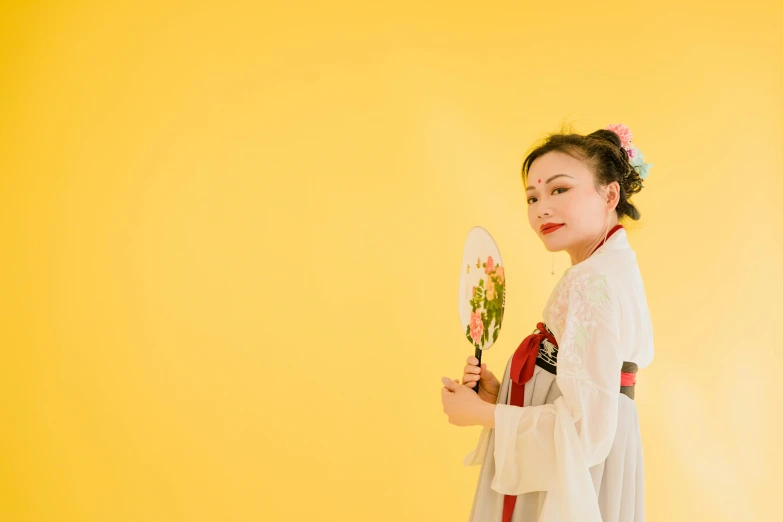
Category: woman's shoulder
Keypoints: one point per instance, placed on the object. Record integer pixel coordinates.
(581, 288)
(611, 277)
(586, 274)
(625, 288)
(618, 268)
(613, 281)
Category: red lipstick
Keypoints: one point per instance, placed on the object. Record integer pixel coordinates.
(548, 228)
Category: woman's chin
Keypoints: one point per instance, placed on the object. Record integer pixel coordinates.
(552, 246)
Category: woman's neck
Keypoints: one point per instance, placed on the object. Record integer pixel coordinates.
(581, 254)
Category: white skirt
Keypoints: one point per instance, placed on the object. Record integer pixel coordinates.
(618, 481)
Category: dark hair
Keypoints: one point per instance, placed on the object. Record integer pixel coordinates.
(603, 152)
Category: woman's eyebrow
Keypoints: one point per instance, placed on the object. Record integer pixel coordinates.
(550, 179)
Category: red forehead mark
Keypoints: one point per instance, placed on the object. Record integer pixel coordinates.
(539, 181)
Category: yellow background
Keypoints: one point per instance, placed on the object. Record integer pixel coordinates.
(231, 237)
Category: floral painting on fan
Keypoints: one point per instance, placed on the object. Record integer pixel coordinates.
(487, 296)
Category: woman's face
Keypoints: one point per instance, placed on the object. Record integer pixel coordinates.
(561, 191)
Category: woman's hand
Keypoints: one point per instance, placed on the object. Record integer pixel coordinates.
(463, 406)
(489, 385)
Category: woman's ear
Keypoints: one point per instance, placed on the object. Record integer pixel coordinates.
(613, 195)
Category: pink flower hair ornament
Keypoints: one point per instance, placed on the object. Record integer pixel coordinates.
(634, 154)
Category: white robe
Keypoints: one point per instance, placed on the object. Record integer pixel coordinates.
(573, 452)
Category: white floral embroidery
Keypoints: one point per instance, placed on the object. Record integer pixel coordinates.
(572, 309)
(549, 349)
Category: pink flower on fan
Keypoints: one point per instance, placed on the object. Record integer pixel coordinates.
(500, 274)
(622, 131)
(476, 326)
(489, 266)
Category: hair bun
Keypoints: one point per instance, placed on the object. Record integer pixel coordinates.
(607, 135)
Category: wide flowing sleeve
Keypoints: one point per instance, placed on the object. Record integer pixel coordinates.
(551, 447)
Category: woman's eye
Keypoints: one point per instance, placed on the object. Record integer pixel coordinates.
(559, 188)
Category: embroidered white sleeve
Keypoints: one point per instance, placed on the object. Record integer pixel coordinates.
(541, 448)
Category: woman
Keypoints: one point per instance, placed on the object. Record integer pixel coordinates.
(561, 439)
